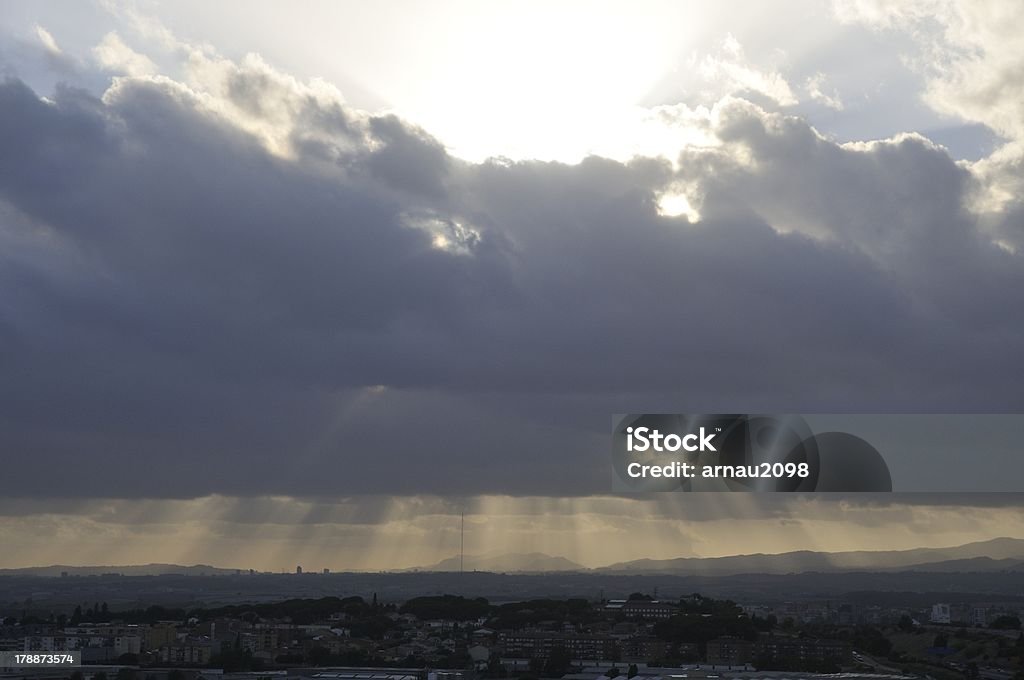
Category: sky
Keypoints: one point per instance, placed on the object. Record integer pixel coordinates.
(309, 280)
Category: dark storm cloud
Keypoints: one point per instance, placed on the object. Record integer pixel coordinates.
(185, 313)
(371, 510)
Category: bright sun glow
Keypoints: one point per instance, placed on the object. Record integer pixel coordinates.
(675, 205)
(557, 84)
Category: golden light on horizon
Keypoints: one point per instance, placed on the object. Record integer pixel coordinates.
(387, 533)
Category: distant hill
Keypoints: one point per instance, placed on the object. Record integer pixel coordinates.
(975, 564)
(124, 570)
(509, 562)
(996, 554)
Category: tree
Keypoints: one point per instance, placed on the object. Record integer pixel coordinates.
(906, 624)
(871, 640)
(706, 620)
(451, 607)
(1005, 622)
(612, 672)
(632, 672)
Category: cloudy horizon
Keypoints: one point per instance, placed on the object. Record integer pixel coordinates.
(379, 533)
(343, 269)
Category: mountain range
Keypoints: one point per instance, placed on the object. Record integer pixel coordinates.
(1000, 554)
(996, 555)
(533, 562)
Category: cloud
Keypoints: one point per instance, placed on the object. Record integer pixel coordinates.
(814, 85)
(971, 53)
(47, 41)
(729, 72)
(113, 54)
(972, 57)
(235, 283)
(34, 51)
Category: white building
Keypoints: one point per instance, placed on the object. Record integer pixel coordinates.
(940, 613)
